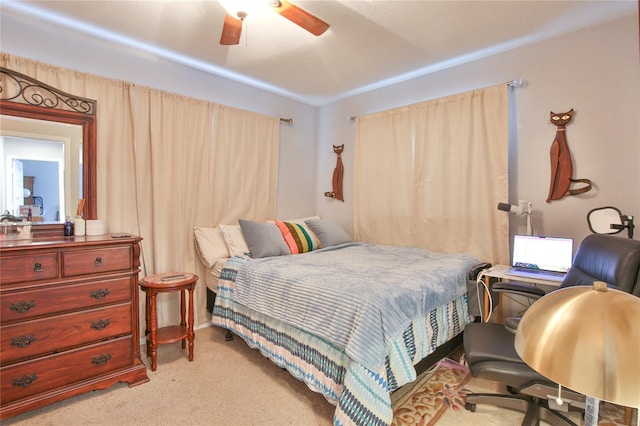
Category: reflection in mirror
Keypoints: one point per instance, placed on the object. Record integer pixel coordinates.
(45, 159)
(601, 220)
(23, 97)
(610, 220)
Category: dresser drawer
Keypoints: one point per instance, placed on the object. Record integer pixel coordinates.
(35, 267)
(37, 337)
(27, 304)
(96, 261)
(55, 371)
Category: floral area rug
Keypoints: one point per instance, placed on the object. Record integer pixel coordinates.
(439, 396)
(438, 390)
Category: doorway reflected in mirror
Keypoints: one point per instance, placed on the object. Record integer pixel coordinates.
(46, 158)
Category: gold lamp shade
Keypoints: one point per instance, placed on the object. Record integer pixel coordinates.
(586, 339)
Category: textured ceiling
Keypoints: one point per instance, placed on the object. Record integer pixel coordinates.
(369, 43)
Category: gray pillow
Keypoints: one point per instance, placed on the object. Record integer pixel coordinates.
(329, 232)
(263, 239)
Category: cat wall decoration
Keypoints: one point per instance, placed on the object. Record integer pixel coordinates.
(338, 173)
(561, 165)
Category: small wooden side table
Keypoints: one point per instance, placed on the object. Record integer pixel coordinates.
(165, 283)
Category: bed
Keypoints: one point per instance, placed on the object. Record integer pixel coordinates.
(349, 319)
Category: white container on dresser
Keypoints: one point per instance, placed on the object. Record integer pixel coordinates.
(68, 318)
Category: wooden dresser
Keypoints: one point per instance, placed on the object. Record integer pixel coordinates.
(68, 318)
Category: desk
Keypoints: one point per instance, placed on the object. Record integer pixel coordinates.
(498, 272)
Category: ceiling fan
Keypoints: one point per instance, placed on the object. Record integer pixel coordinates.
(233, 24)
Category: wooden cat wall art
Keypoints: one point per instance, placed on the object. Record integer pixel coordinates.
(561, 165)
(338, 173)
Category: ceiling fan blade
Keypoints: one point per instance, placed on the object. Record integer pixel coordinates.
(301, 17)
(231, 30)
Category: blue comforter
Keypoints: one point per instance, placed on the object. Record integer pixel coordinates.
(358, 296)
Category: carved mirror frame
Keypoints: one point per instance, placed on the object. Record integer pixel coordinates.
(26, 97)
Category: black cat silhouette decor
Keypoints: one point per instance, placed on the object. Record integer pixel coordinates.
(561, 165)
(338, 172)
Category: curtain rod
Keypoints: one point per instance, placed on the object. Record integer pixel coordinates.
(289, 121)
(515, 83)
(510, 83)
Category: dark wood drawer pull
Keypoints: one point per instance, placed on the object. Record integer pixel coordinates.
(98, 261)
(37, 267)
(24, 381)
(101, 360)
(100, 324)
(99, 294)
(22, 341)
(22, 306)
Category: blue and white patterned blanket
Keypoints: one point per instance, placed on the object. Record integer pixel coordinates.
(361, 395)
(358, 296)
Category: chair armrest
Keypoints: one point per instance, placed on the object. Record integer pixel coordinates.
(518, 289)
(512, 324)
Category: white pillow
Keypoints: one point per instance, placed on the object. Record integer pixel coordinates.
(210, 245)
(234, 239)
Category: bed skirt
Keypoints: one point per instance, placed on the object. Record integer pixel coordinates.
(361, 396)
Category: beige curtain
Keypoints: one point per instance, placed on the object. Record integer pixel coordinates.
(245, 165)
(382, 178)
(461, 174)
(458, 175)
(165, 165)
(170, 147)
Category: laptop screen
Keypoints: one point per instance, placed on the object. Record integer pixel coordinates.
(546, 253)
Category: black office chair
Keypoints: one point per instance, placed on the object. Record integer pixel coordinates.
(490, 350)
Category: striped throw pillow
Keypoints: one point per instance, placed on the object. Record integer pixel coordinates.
(298, 237)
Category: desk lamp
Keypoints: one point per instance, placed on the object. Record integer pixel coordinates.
(523, 208)
(586, 339)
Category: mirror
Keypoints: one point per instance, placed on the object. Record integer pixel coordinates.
(604, 220)
(609, 220)
(31, 109)
(42, 164)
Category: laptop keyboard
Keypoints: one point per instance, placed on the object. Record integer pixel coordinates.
(539, 272)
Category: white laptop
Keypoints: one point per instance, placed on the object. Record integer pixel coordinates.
(545, 258)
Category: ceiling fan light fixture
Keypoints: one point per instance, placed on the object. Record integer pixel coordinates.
(240, 9)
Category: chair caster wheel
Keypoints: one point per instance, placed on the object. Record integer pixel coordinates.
(470, 407)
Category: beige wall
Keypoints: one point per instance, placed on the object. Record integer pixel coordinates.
(596, 71)
(48, 43)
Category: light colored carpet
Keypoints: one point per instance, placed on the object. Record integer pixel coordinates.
(227, 384)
